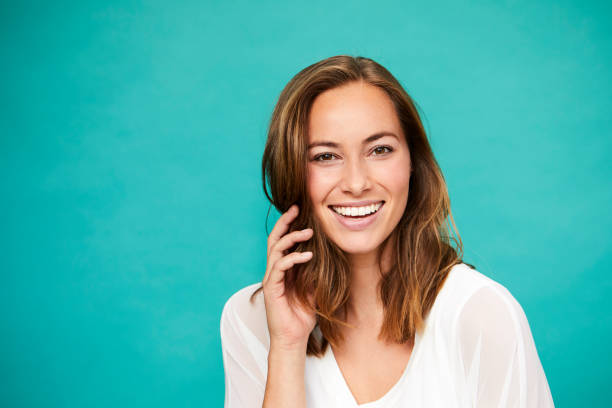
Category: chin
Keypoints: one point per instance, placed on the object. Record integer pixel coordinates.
(356, 245)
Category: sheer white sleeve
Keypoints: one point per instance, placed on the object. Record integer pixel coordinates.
(245, 344)
(498, 353)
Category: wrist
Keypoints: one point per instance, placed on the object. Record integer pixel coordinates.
(288, 347)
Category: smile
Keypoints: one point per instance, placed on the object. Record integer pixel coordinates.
(357, 218)
(357, 211)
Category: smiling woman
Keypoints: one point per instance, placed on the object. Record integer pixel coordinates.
(367, 163)
(366, 299)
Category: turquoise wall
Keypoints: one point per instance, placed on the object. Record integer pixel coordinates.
(131, 140)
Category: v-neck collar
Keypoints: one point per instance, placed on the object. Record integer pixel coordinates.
(340, 389)
(347, 397)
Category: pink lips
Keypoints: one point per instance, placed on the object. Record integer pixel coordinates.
(357, 224)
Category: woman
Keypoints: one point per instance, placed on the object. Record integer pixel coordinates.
(365, 302)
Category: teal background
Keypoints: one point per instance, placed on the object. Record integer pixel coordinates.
(132, 207)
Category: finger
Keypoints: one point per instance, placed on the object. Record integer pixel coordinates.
(275, 251)
(286, 242)
(282, 225)
(277, 272)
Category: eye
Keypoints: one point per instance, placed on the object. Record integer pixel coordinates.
(380, 150)
(323, 157)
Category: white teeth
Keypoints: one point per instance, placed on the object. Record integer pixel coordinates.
(357, 211)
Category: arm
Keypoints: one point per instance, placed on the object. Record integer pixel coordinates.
(285, 384)
(249, 378)
(289, 323)
(499, 357)
(246, 384)
(252, 374)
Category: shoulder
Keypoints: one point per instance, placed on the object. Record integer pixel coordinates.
(470, 297)
(244, 344)
(240, 299)
(464, 283)
(492, 344)
(245, 317)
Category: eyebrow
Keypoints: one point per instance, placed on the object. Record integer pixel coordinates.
(369, 139)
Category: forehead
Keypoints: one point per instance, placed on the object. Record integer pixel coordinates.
(351, 112)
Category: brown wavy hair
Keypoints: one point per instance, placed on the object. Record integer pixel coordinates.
(422, 250)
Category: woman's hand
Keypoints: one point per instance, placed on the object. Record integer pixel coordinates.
(289, 326)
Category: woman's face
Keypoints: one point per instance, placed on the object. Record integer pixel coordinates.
(358, 166)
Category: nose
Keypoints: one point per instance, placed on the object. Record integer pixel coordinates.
(355, 178)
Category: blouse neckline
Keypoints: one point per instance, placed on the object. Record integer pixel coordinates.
(339, 381)
(348, 396)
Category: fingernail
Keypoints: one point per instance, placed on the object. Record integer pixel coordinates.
(307, 254)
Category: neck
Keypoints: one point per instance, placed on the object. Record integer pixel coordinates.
(365, 306)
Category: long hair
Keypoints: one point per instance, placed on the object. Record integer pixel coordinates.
(422, 252)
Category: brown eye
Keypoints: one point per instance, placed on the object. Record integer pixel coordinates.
(323, 157)
(378, 150)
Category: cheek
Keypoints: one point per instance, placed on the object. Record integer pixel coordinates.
(396, 175)
(401, 183)
(319, 185)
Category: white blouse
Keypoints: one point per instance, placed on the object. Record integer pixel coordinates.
(476, 350)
